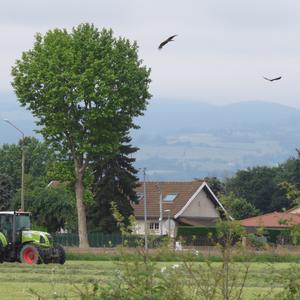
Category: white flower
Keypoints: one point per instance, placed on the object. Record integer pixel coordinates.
(163, 269)
(196, 252)
(175, 266)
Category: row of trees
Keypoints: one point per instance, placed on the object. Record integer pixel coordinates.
(260, 189)
(250, 192)
(54, 208)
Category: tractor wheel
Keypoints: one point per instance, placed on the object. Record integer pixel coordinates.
(1, 252)
(29, 254)
(62, 255)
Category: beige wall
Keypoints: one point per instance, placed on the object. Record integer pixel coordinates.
(140, 227)
(201, 206)
(296, 210)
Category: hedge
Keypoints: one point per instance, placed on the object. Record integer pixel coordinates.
(184, 231)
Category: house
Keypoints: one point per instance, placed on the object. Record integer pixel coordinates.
(170, 204)
(273, 220)
(294, 210)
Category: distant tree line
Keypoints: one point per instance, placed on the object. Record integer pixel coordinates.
(112, 178)
(248, 193)
(260, 190)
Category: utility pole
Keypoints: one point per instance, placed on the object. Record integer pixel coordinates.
(169, 221)
(23, 165)
(160, 210)
(145, 210)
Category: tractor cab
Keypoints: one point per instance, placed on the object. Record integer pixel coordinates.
(13, 223)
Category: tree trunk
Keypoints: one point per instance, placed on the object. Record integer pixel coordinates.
(82, 228)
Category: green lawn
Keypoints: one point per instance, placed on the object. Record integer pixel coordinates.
(16, 280)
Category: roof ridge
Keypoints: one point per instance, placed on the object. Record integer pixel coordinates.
(270, 213)
(162, 181)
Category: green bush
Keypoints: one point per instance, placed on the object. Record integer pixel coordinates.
(193, 230)
(275, 236)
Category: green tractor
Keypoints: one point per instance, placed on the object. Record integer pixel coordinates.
(19, 243)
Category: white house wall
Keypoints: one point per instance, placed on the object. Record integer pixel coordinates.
(201, 206)
(140, 227)
(295, 210)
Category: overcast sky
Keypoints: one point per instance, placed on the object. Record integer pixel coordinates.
(222, 50)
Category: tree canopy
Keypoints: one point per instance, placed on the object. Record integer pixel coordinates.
(238, 208)
(262, 186)
(84, 87)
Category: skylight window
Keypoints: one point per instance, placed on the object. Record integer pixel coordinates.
(140, 196)
(170, 197)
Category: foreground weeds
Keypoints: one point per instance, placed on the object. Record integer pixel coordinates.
(140, 277)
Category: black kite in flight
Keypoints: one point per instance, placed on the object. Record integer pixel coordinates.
(272, 79)
(169, 39)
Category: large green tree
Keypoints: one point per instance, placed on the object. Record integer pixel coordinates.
(238, 208)
(256, 185)
(115, 181)
(84, 87)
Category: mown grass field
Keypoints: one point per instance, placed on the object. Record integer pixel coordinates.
(55, 281)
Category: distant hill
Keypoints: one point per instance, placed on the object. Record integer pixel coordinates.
(184, 140)
(181, 140)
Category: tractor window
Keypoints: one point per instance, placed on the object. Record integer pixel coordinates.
(22, 222)
(6, 225)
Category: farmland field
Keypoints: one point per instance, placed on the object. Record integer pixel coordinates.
(19, 281)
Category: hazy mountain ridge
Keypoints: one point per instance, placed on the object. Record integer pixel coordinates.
(182, 139)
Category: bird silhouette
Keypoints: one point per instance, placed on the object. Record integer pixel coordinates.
(169, 39)
(272, 79)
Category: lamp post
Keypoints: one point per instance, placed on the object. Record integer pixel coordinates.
(160, 210)
(145, 209)
(169, 221)
(23, 163)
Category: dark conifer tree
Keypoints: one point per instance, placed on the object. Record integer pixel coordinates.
(115, 181)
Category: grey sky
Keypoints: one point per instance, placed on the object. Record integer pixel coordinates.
(222, 50)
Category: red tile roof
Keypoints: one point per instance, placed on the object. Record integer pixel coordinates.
(184, 191)
(272, 220)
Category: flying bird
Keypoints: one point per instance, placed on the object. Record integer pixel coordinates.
(169, 39)
(272, 79)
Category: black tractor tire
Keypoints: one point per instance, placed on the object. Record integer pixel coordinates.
(62, 254)
(30, 254)
(1, 253)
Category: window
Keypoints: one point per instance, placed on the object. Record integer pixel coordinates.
(140, 196)
(154, 225)
(6, 225)
(23, 222)
(170, 197)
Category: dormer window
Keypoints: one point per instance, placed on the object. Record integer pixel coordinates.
(170, 197)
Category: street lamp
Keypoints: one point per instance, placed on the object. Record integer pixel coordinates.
(23, 163)
(145, 209)
(160, 210)
(169, 221)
